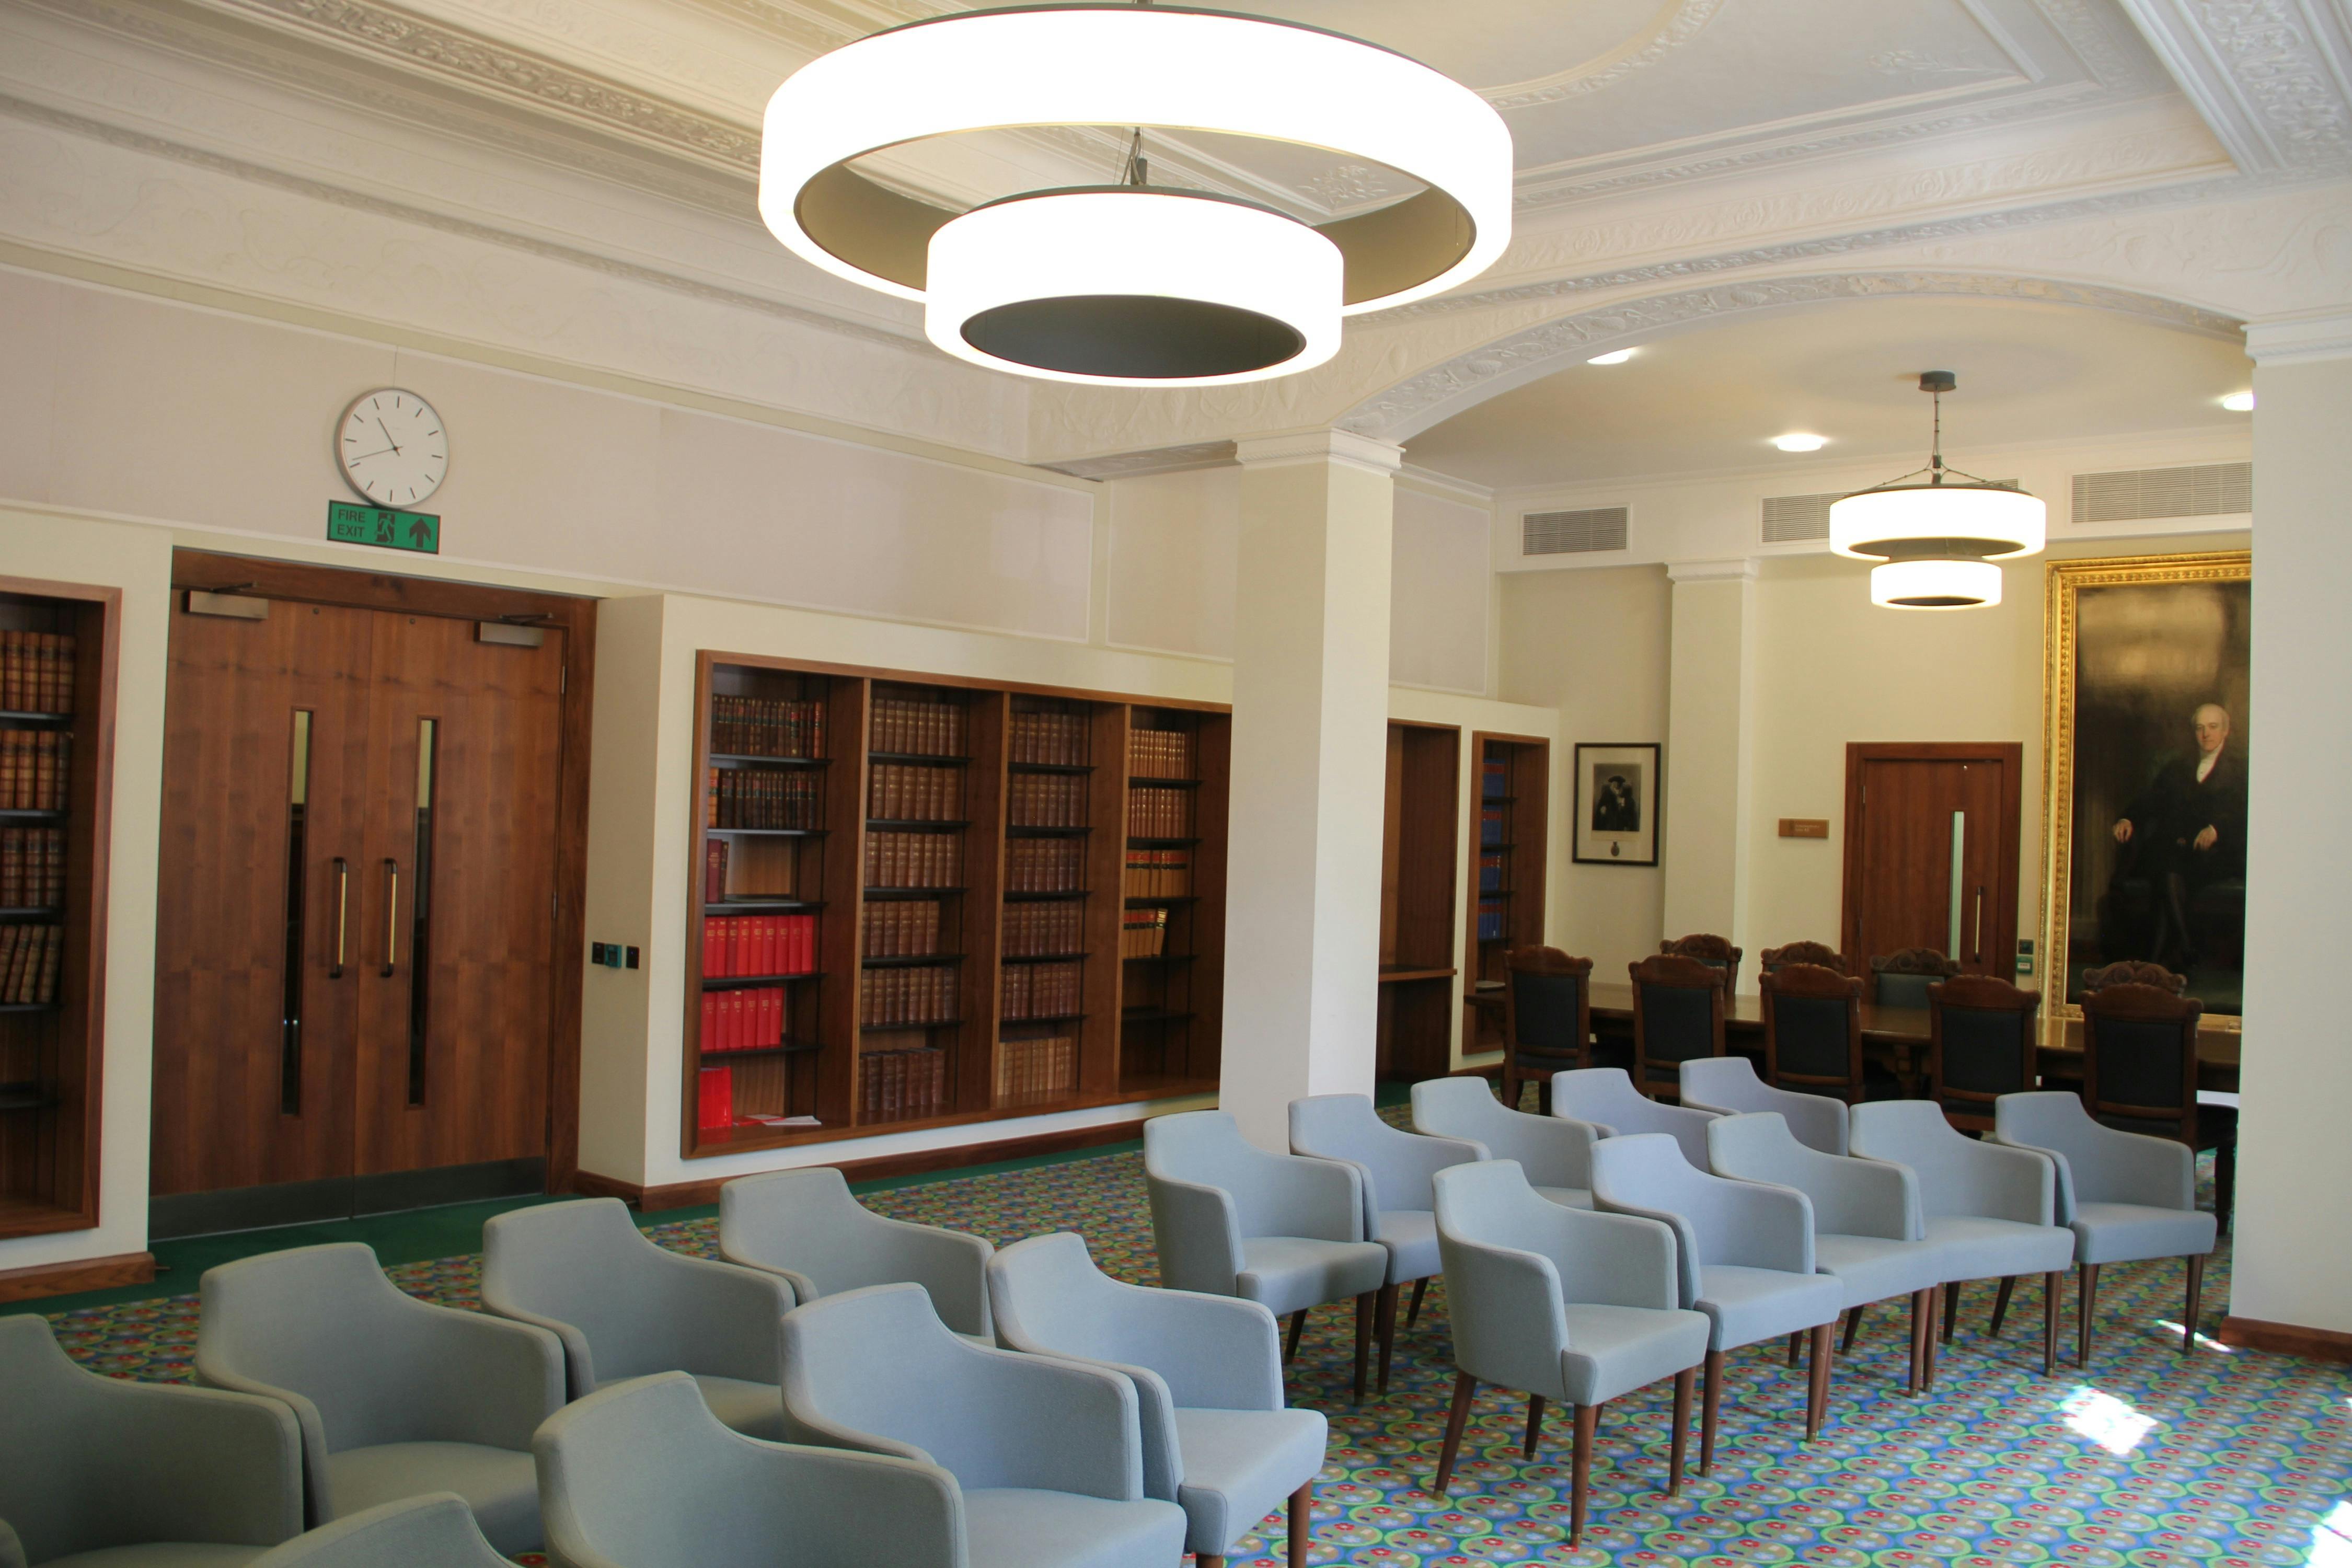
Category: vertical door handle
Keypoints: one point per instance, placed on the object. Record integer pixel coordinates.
(1977, 941)
(1956, 883)
(342, 914)
(392, 917)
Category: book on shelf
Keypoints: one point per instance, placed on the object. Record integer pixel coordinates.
(1039, 991)
(734, 946)
(1159, 873)
(900, 928)
(32, 868)
(35, 769)
(1033, 931)
(1143, 933)
(1154, 813)
(1036, 1068)
(1490, 873)
(1052, 739)
(755, 797)
(917, 728)
(1044, 866)
(896, 859)
(715, 1098)
(889, 997)
(1492, 821)
(905, 792)
(1160, 753)
(30, 956)
(767, 727)
(901, 1086)
(1047, 800)
(749, 1020)
(1490, 921)
(37, 673)
(1494, 776)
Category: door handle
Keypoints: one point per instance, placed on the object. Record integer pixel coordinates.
(391, 918)
(1977, 941)
(342, 914)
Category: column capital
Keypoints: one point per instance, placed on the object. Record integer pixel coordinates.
(1738, 571)
(1346, 446)
(2308, 335)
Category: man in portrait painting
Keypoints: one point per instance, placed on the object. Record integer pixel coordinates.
(1616, 809)
(2186, 831)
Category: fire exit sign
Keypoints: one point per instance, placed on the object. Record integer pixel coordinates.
(350, 524)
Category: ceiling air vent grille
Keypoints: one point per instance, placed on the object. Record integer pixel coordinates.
(2136, 495)
(1788, 519)
(1573, 532)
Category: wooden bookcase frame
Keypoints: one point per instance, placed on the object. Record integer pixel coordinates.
(1526, 808)
(49, 1147)
(1420, 870)
(1113, 1063)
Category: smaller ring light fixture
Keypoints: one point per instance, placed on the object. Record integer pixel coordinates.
(1131, 284)
(1938, 539)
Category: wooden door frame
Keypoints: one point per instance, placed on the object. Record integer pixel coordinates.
(302, 582)
(1859, 754)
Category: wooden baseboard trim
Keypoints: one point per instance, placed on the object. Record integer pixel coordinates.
(2287, 1339)
(81, 1273)
(691, 1194)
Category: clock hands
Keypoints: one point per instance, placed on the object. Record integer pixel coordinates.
(387, 434)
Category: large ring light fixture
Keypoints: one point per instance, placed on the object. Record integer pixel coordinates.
(1146, 66)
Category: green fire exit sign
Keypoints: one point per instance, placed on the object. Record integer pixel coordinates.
(350, 524)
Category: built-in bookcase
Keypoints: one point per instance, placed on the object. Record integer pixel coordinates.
(953, 860)
(1506, 820)
(56, 743)
(1172, 937)
(1418, 874)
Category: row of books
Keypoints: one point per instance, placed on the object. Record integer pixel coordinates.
(1031, 929)
(1059, 739)
(900, 928)
(1159, 813)
(752, 797)
(30, 958)
(899, 792)
(918, 729)
(1160, 753)
(914, 861)
(1494, 776)
(1490, 921)
(37, 672)
(1039, 991)
(1142, 933)
(901, 1086)
(34, 768)
(926, 995)
(32, 868)
(1490, 873)
(1036, 1068)
(1044, 866)
(1048, 800)
(743, 1020)
(739, 945)
(767, 727)
(1494, 824)
(1159, 873)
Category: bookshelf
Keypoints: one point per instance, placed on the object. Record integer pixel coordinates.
(56, 722)
(952, 857)
(1421, 817)
(1506, 817)
(1172, 934)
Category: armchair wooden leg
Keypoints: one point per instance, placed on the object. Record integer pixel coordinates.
(1208, 1560)
(2196, 1301)
(1587, 1417)
(1297, 1327)
(1301, 1525)
(2052, 1287)
(1796, 1346)
(1465, 1385)
(1852, 1327)
(1951, 1318)
(1683, 1381)
(1922, 1306)
(1412, 1313)
(1534, 1425)
(2086, 1301)
(1709, 1397)
(1366, 1304)
(1817, 1388)
(1935, 1338)
(1386, 1329)
(2000, 1304)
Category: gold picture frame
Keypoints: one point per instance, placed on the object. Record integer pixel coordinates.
(2065, 581)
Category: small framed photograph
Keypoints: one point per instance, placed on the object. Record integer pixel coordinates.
(1617, 805)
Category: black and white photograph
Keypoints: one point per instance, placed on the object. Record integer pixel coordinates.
(1616, 814)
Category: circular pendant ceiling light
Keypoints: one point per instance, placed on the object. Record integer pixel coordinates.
(1135, 285)
(1939, 537)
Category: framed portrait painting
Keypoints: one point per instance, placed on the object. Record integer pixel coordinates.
(1616, 810)
(2148, 749)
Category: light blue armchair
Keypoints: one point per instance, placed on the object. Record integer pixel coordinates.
(1399, 1210)
(1605, 1100)
(1744, 1257)
(1728, 1086)
(99, 1470)
(396, 1397)
(1992, 1207)
(1048, 1453)
(625, 1308)
(1230, 1219)
(2126, 1197)
(1557, 1155)
(1869, 1231)
(1207, 1371)
(806, 1228)
(1566, 1304)
(642, 1475)
(435, 1530)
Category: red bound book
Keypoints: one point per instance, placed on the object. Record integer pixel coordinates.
(738, 955)
(714, 871)
(772, 957)
(774, 1035)
(804, 927)
(715, 1092)
(708, 1036)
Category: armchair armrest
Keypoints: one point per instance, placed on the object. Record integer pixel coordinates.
(12, 1551)
(1197, 1236)
(1041, 1422)
(734, 1314)
(803, 1287)
(848, 1511)
(318, 1505)
(475, 1378)
(2120, 1167)
(1214, 1353)
(1508, 1327)
(197, 1464)
(948, 1264)
(1620, 1260)
(1683, 1240)
(1864, 1197)
(1297, 1194)
(1996, 1182)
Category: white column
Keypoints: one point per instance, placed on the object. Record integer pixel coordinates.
(2294, 1244)
(1310, 735)
(1710, 750)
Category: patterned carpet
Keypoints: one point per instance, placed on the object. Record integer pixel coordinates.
(2221, 1459)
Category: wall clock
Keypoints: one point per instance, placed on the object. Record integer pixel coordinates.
(393, 447)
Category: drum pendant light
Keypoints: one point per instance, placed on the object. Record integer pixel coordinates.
(1938, 537)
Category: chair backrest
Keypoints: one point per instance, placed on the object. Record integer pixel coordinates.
(1982, 1043)
(808, 1223)
(1395, 1165)
(1728, 1086)
(2139, 1059)
(1606, 1098)
(1900, 979)
(435, 1529)
(1818, 952)
(1813, 1030)
(1552, 1152)
(1546, 1010)
(2133, 971)
(1715, 952)
(1677, 1015)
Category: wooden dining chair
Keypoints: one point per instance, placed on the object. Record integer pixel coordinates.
(2139, 1074)
(1819, 953)
(1982, 1044)
(1900, 979)
(1812, 1034)
(1547, 1019)
(1715, 952)
(2133, 971)
(1677, 1016)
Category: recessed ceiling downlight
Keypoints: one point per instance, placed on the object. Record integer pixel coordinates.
(1614, 356)
(1798, 441)
(2239, 402)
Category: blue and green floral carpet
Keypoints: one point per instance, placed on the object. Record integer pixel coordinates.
(2218, 1459)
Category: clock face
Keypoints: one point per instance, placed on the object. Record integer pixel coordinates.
(393, 447)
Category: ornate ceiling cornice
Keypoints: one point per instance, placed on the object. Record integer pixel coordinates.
(2273, 77)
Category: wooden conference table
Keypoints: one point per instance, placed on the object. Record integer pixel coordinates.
(1898, 1037)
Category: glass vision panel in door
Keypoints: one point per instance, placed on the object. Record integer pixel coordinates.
(420, 939)
(297, 794)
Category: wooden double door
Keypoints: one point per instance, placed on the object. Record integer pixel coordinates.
(357, 907)
(1931, 851)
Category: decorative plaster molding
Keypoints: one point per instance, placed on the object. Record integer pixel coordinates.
(1740, 570)
(1345, 447)
(2273, 77)
(1141, 465)
(1676, 23)
(2299, 339)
